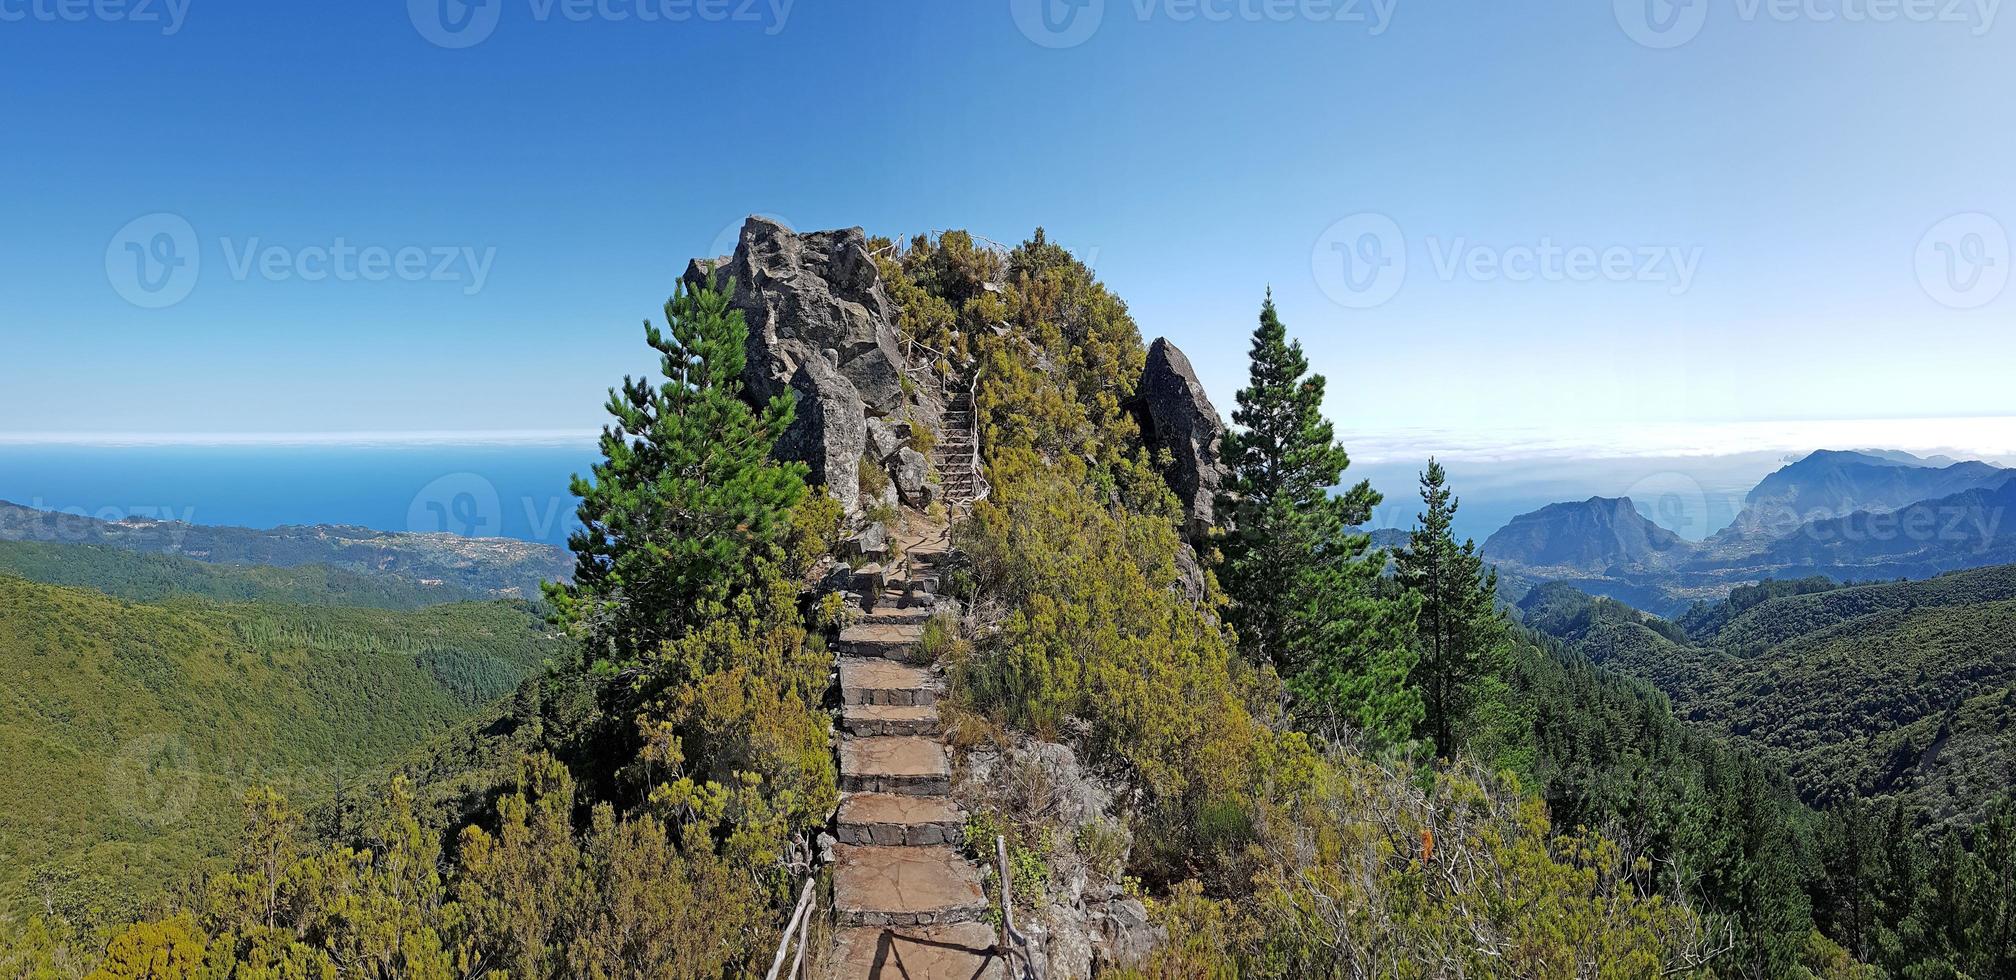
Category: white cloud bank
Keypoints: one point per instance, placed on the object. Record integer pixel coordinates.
(1991, 438)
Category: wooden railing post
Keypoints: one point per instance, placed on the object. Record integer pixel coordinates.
(801, 914)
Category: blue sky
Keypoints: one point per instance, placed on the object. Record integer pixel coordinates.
(1778, 187)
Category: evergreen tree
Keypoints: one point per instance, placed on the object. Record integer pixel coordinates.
(1458, 626)
(686, 502)
(1302, 579)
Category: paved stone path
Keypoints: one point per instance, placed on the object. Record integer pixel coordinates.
(907, 903)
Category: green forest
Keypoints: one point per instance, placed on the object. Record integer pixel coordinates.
(1339, 760)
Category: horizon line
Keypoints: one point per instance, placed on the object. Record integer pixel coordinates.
(353, 439)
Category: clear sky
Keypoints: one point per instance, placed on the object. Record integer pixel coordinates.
(1779, 185)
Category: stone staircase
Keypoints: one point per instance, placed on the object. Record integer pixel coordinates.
(953, 457)
(907, 903)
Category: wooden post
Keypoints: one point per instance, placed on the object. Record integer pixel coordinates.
(1007, 904)
(804, 898)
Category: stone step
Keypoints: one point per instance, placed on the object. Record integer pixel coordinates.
(902, 609)
(906, 764)
(880, 639)
(964, 951)
(905, 886)
(896, 820)
(886, 719)
(877, 680)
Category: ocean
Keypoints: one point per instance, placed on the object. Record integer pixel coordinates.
(485, 491)
(520, 491)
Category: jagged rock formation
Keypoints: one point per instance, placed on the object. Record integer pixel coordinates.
(1177, 416)
(822, 328)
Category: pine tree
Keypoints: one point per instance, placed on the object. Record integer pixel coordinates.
(686, 503)
(1458, 627)
(1302, 578)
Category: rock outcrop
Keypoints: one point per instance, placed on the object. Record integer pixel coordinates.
(822, 328)
(1087, 925)
(1177, 416)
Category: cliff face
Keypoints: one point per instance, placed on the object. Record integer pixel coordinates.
(822, 329)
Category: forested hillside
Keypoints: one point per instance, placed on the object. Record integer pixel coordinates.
(1881, 692)
(130, 729)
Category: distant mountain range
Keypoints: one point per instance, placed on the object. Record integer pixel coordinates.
(460, 566)
(1861, 515)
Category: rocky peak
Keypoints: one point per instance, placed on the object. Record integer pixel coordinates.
(1176, 415)
(823, 329)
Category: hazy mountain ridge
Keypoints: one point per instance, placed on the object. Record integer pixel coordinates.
(487, 567)
(1864, 516)
(1594, 535)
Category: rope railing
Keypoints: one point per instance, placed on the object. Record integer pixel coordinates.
(800, 927)
(980, 487)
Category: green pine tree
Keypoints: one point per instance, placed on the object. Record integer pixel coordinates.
(686, 505)
(1459, 628)
(1302, 579)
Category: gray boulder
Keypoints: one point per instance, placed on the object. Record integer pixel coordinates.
(912, 477)
(1176, 415)
(884, 440)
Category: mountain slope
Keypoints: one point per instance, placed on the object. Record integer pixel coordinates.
(1894, 690)
(1593, 535)
(1963, 530)
(130, 729)
(493, 567)
(1830, 484)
